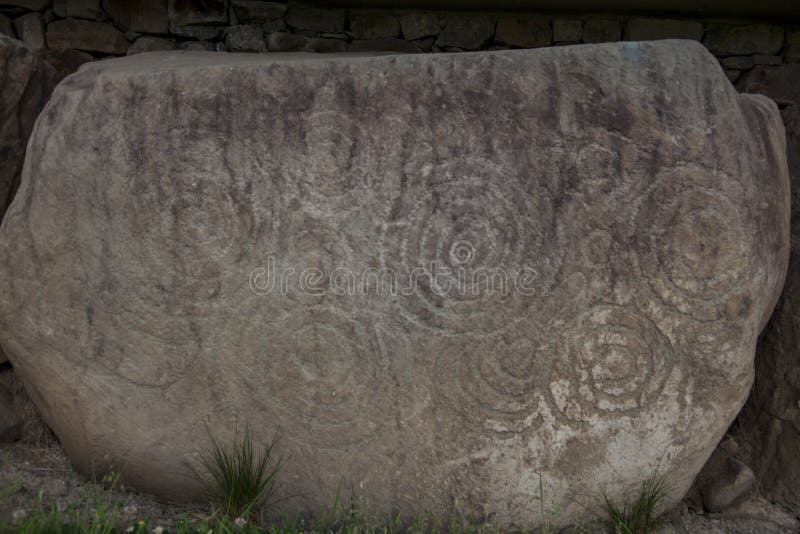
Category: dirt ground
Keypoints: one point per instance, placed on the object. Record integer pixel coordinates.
(32, 476)
(33, 472)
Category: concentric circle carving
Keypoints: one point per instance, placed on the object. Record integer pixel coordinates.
(692, 244)
(474, 248)
(498, 380)
(317, 368)
(610, 360)
(185, 241)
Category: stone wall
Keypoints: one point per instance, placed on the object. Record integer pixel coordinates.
(95, 28)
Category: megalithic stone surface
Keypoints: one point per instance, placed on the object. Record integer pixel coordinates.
(506, 266)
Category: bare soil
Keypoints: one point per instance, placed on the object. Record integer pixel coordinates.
(34, 472)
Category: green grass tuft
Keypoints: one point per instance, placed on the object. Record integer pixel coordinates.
(238, 481)
(640, 516)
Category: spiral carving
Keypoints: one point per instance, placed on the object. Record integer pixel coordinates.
(610, 360)
(469, 233)
(692, 244)
(319, 369)
(499, 380)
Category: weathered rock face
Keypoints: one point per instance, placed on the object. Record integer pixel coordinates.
(581, 260)
(26, 81)
(769, 426)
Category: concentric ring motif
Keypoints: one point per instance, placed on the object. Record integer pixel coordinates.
(692, 243)
(187, 239)
(498, 380)
(317, 368)
(470, 236)
(610, 360)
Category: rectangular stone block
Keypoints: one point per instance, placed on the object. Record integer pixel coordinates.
(760, 59)
(467, 32)
(82, 9)
(197, 12)
(245, 38)
(651, 29)
(419, 24)
(143, 16)
(318, 19)
(86, 35)
(601, 31)
(373, 24)
(729, 40)
(567, 31)
(254, 10)
(30, 30)
(738, 62)
(524, 32)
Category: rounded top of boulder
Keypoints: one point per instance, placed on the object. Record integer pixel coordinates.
(176, 59)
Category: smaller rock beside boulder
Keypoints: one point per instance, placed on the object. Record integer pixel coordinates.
(724, 482)
(730, 489)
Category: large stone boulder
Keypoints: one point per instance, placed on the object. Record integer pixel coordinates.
(442, 278)
(26, 81)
